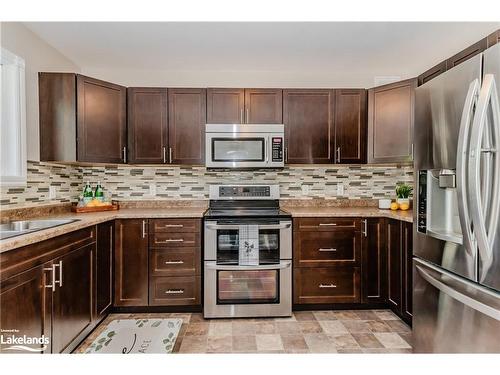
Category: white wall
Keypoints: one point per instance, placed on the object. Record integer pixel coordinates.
(39, 56)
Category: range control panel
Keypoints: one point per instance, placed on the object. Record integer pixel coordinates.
(277, 149)
(422, 202)
(244, 191)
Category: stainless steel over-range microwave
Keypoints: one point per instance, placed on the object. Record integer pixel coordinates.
(244, 146)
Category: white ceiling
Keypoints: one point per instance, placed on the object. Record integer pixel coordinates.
(359, 51)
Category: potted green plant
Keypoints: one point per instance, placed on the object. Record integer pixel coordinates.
(403, 192)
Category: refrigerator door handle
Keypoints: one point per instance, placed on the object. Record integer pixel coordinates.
(455, 294)
(463, 149)
(485, 225)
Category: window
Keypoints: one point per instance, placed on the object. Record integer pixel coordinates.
(13, 120)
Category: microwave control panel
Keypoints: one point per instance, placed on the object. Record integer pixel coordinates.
(277, 149)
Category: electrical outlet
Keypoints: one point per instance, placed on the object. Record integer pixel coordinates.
(340, 189)
(52, 192)
(152, 190)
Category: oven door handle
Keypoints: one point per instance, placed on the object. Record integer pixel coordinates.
(281, 265)
(268, 226)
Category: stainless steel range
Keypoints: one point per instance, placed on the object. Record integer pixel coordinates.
(248, 253)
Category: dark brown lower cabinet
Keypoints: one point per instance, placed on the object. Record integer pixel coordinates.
(131, 262)
(407, 241)
(399, 274)
(374, 262)
(103, 275)
(72, 298)
(23, 298)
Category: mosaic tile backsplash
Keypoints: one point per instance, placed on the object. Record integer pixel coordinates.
(175, 182)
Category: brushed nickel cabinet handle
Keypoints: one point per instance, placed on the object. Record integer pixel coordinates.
(164, 155)
(327, 224)
(365, 228)
(241, 116)
(173, 226)
(125, 154)
(170, 155)
(248, 116)
(338, 154)
(174, 262)
(53, 276)
(327, 285)
(60, 281)
(331, 249)
(144, 229)
(174, 291)
(173, 240)
(286, 154)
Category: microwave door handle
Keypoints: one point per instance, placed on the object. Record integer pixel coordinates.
(488, 93)
(463, 149)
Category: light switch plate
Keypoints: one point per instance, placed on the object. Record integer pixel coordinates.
(52, 192)
(152, 190)
(340, 189)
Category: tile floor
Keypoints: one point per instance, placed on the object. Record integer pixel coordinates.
(342, 331)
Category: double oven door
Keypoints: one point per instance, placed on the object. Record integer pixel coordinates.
(233, 290)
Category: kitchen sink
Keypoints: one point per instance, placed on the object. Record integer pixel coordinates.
(16, 228)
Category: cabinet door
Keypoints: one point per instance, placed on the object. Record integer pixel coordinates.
(394, 274)
(263, 106)
(186, 125)
(350, 126)
(308, 119)
(147, 125)
(131, 262)
(72, 299)
(407, 254)
(101, 121)
(225, 106)
(374, 262)
(390, 122)
(103, 276)
(25, 308)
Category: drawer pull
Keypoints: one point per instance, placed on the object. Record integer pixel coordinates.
(327, 249)
(173, 240)
(173, 226)
(327, 224)
(174, 291)
(327, 285)
(174, 262)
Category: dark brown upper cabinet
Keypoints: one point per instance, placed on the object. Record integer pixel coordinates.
(308, 119)
(350, 126)
(263, 106)
(147, 125)
(244, 106)
(225, 106)
(186, 125)
(390, 122)
(81, 119)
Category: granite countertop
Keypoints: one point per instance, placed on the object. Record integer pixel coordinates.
(314, 211)
(89, 219)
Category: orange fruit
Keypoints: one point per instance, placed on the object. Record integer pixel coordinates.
(404, 206)
(394, 206)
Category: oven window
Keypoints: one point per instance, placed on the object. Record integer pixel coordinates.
(238, 149)
(243, 287)
(228, 246)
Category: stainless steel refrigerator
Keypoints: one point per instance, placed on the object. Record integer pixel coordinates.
(456, 264)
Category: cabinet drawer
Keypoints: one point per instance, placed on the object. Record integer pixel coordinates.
(327, 224)
(184, 261)
(166, 239)
(327, 248)
(175, 225)
(175, 291)
(326, 285)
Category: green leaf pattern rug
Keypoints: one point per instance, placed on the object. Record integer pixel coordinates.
(137, 336)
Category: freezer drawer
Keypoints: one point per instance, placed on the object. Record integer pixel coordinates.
(452, 315)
